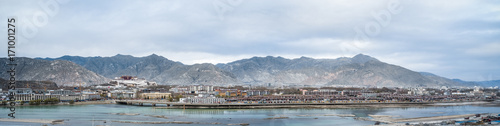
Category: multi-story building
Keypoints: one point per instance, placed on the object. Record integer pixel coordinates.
(21, 91)
(256, 92)
(126, 81)
(155, 95)
(203, 100)
(226, 92)
(70, 98)
(122, 94)
(179, 90)
(350, 93)
(27, 94)
(320, 92)
(201, 89)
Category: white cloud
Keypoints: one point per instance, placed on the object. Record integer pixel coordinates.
(487, 49)
(426, 36)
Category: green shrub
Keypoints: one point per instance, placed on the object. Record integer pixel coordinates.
(35, 102)
(170, 99)
(51, 101)
(178, 97)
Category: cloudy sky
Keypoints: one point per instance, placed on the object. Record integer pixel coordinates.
(454, 39)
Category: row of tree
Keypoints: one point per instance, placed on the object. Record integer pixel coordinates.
(46, 101)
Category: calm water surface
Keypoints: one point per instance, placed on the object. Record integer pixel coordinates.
(87, 115)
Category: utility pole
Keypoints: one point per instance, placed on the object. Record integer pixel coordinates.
(45, 88)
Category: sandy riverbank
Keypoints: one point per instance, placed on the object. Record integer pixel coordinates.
(66, 103)
(47, 121)
(300, 106)
(177, 105)
(95, 102)
(433, 119)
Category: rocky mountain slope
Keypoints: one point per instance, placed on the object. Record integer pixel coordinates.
(376, 73)
(360, 70)
(4, 84)
(154, 68)
(62, 72)
(490, 83)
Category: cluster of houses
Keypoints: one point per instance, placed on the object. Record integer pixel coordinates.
(28, 94)
(208, 94)
(477, 91)
(128, 87)
(124, 82)
(216, 91)
(124, 87)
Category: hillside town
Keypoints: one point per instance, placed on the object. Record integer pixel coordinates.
(133, 88)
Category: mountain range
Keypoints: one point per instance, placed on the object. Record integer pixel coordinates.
(62, 72)
(360, 70)
(153, 68)
(4, 84)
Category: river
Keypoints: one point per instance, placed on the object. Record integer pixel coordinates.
(117, 115)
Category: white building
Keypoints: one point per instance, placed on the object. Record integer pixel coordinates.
(179, 90)
(201, 88)
(123, 94)
(130, 81)
(126, 81)
(204, 100)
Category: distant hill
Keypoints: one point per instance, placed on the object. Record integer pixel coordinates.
(360, 70)
(63, 73)
(278, 70)
(49, 85)
(491, 83)
(153, 68)
(109, 67)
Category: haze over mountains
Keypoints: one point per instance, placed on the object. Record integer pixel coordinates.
(360, 70)
(62, 72)
(153, 68)
(4, 84)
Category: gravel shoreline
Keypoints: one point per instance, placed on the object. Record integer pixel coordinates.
(47, 121)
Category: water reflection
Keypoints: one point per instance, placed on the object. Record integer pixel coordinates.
(87, 114)
(206, 111)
